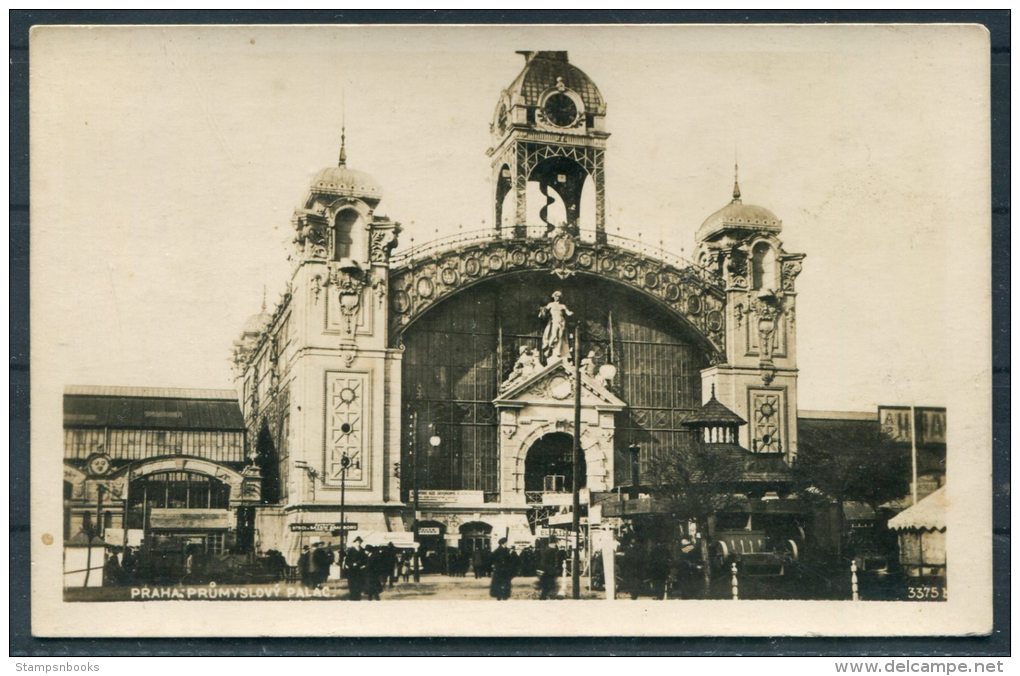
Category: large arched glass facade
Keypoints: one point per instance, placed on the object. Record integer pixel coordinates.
(458, 353)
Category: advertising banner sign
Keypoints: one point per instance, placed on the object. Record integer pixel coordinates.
(186, 519)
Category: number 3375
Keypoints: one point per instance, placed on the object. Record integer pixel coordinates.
(928, 593)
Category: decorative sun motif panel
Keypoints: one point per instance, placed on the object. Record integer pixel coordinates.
(766, 421)
(346, 395)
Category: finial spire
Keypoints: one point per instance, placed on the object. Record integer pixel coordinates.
(713, 390)
(263, 297)
(736, 183)
(343, 147)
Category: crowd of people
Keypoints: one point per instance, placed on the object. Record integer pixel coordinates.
(371, 569)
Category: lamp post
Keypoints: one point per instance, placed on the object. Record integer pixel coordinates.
(414, 491)
(345, 462)
(575, 571)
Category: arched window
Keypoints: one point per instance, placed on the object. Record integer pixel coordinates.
(176, 490)
(763, 267)
(342, 233)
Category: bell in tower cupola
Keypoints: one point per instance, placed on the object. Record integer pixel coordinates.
(549, 131)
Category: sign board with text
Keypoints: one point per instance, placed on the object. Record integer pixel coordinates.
(321, 527)
(435, 497)
(929, 424)
(188, 519)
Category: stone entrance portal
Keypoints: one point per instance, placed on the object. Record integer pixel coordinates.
(549, 467)
(536, 421)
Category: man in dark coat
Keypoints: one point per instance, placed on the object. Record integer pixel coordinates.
(503, 564)
(356, 567)
(322, 559)
(376, 572)
(548, 569)
(303, 565)
(390, 555)
(128, 564)
(478, 562)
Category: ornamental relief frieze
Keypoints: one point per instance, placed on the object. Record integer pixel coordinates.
(690, 292)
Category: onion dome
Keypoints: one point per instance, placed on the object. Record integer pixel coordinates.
(739, 216)
(258, 322)
(342, 181)
(545, 69)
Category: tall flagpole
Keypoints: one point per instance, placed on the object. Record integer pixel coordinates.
(576, 562)
(913, 454)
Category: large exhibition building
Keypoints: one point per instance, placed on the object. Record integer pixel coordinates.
(442, 375)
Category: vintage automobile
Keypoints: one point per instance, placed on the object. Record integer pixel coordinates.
(754, 552)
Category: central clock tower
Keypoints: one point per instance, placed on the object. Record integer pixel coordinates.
(548, 129)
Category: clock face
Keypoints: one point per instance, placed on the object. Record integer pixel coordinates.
(560, 110)
(99, 465)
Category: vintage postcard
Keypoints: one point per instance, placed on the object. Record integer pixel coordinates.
(510, 330)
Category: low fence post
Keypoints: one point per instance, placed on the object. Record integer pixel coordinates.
(734, 585)
(854, 593)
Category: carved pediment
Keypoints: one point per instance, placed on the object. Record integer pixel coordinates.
(552, 385)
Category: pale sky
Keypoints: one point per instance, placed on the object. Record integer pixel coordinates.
(166, 164)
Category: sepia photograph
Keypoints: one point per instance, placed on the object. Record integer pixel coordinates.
(514, 330)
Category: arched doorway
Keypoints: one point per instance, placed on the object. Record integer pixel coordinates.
(475, 545)
(549, 466)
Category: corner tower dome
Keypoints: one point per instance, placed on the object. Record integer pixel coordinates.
(342, 181)
(739, 216)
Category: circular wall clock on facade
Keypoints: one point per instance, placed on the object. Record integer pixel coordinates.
(98, 464)
(560, 110)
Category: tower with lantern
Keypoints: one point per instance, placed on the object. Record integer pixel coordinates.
(548, 129)
(758, 379)
(318, 381)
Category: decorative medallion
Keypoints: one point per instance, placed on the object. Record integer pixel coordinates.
(694, 305)
(495, 262)
(449, 276)
(629, 271)
(541, 257)
(607, 265)
(348, 353)
(401, 301)
(563, 247)
(559, 387)
(714, 320)
(425, 287)
(672, 292)
(472, 267)
(651, 280)
(585, 260)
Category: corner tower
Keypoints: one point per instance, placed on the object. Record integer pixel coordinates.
(758, 379)
(317, 399)
(548, 128)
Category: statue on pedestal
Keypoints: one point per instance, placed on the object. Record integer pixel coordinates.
(554, 337)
